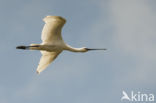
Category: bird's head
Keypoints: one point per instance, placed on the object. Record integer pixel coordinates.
(84, 49)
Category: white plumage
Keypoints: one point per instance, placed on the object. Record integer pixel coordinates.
(51, 35)
(52, 42)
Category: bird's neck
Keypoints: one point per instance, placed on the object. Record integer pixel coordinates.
(75, 49)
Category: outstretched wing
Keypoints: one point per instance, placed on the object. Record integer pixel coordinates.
(46, 59)
(52, 29)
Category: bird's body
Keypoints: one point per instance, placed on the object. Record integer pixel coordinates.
(52, 42)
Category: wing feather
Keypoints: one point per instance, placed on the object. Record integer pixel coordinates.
(52, 29)
(46, 59)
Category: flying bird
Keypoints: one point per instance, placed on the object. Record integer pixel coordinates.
(52, 42)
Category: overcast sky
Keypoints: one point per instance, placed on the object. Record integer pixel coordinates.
(127, 28)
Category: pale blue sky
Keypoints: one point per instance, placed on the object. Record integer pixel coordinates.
(125, 27)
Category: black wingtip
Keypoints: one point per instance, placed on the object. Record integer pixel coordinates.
(21, 47)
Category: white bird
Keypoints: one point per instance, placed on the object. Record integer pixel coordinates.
(52, 43)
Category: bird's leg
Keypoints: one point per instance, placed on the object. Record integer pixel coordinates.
(27, 47)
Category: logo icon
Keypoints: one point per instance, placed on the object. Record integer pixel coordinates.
(125, 96)
(137, 96)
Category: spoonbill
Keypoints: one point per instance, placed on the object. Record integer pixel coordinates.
(52, 42)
